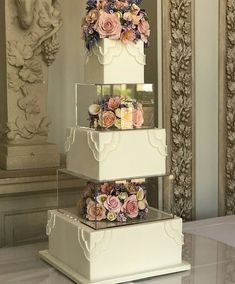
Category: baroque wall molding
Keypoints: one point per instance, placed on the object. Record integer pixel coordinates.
(178, 100)
(227, 109)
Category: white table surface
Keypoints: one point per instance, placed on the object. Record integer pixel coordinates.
(212, 262)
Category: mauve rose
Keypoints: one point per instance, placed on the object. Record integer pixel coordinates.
(113, 204)
(107, 119)
(114, 103)
(108, 25)
(106, 188)
(95, 211)
(130, 207)
(138, 118)
(128, 36)
(144, 30)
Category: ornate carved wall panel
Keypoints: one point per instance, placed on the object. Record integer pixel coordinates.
(178, 100)
(227, 108)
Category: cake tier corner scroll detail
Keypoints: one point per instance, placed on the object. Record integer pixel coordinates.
(93, 249)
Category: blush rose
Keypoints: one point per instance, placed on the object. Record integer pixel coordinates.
(107, 119)
(113, 204)
(114, 103)
(138, 118)
(130, 207)
(95, 211)
(144, 30)
(108, 25)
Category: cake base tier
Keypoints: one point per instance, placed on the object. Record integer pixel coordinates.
(78, 278)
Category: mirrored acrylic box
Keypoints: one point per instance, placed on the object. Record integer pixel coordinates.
(115, 106)
(114, 203)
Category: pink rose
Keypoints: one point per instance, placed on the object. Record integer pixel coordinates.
(107, 119)
(106, 188)
(95, 211)
(138, 118)
(144, 30)
(108, 25)
(130, 207)
(114, 103)
(113, 204)
(128, 36)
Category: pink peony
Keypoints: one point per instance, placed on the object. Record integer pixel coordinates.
(113, 204)
(95, 211)
(138, 118)
(106, 188)
(128, 36)
(107, 119)
(130, 207)
(108, 25)
(114, 103)
(144, 30)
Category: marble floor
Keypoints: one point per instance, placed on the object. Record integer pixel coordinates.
(209, 247)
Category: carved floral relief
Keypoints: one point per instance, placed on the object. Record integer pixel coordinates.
(181, 105)
(34, 48)
(230, 105)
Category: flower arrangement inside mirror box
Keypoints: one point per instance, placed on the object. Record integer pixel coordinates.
(114, 201)
(116, 113)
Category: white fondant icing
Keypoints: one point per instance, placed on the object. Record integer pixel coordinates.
(51, 222)
(157, 140)
(174, 233)
(109, 155)
(101, 150)
(70, 139)
(93, 249)
(106, 55)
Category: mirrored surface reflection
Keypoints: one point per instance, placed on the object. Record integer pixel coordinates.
(212, 263)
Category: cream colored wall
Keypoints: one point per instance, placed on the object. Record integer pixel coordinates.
(206, 76)
(66, 71)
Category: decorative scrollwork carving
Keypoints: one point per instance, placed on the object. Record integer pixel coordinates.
(41, 21)
(230, 103)
(181, 105)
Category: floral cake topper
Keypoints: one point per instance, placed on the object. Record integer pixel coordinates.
(115, 19)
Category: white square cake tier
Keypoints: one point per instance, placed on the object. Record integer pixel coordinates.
(127, 252)
(112, 155)
(112, 62)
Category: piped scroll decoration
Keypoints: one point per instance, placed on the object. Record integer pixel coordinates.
(157, 142)
(50, 223)
(106, 57)
(70, 139)
(101, 150)
(99, 247)
(174, 233)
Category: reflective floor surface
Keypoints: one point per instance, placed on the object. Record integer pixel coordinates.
(212, 262)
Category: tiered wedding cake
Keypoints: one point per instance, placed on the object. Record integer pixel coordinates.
(112, 235)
